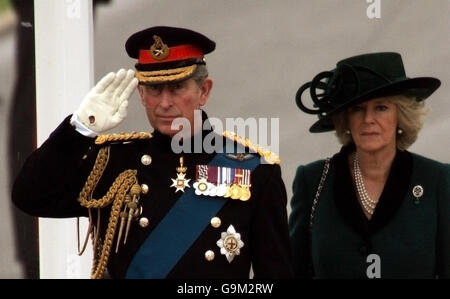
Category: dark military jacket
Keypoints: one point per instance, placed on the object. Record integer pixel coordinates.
(53, 176)
(410, 234)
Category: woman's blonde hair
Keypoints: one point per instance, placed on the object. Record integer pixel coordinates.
(411, 117)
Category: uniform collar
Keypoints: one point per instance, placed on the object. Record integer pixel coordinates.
(390, 200)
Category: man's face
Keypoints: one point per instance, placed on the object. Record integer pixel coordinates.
(165, 102)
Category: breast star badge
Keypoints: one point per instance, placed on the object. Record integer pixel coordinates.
(230, 243)
(180, 183)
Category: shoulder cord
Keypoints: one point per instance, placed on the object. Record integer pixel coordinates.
(326, 167)
(115, 194)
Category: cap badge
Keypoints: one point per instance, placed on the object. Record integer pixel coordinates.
(159, 50)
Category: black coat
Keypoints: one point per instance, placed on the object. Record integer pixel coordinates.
(50, 182)
(411, 237)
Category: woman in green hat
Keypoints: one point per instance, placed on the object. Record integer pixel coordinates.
(374, 210)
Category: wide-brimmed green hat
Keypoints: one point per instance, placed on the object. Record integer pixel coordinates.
(358, 79)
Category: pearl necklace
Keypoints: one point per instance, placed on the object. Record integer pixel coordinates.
(367, 203)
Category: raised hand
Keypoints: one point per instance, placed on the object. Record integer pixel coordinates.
(105, 105)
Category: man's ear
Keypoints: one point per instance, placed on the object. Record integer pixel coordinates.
(205, 91)
(141, 93)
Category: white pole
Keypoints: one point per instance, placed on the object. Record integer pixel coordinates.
(64, 74)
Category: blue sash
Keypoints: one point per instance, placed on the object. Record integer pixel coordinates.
(182, 225)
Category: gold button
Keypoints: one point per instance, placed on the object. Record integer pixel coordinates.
(144, 188)
(143, 222)
(146, 159)
(209, 255)
(216, 222)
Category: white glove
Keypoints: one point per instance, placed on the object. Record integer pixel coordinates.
(105, 105)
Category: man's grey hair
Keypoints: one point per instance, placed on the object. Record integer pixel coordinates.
(200, 74)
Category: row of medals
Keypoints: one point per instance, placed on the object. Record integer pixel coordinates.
(203, 187)
(233, 191)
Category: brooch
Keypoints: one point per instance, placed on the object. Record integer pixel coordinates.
(417, 192)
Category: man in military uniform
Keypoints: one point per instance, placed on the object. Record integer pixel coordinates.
(156, 213)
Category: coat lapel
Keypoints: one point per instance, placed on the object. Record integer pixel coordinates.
(390, 200)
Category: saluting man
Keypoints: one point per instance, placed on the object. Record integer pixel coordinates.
(156, 212)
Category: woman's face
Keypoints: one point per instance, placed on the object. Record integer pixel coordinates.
(373, 124)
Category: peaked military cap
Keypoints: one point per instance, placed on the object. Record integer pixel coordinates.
(358, 79)
(167, 54)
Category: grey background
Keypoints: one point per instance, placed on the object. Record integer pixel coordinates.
(265, 50)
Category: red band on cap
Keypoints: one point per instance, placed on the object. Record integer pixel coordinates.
(176, 53)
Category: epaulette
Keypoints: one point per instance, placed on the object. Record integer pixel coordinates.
(102, 139)
(269, 156)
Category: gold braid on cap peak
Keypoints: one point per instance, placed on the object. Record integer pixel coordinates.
(269, 156)
(102, 139)
(166, 75)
